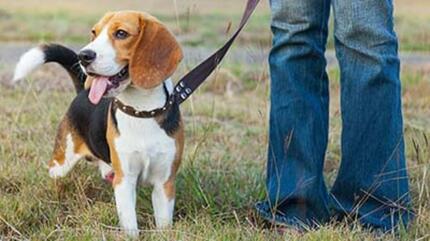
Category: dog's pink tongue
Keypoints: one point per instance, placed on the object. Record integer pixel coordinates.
(98, 89)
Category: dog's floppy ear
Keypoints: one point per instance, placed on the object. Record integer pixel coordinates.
(156, 54)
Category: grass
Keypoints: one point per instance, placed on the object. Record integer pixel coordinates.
(195, 22)
(221, 177)
(224, 164)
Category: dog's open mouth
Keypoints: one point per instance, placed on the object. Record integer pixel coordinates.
(102, 84)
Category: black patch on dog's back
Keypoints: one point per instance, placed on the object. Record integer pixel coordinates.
(171, 120)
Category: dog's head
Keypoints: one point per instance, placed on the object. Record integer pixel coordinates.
(128, 48)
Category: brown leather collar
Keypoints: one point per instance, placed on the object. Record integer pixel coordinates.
(130, 110)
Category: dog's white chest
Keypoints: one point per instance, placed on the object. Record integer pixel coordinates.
(144, 148)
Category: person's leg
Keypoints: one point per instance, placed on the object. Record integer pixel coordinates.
(299, 113)
(372, 184)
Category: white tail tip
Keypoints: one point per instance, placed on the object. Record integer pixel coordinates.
(28, 62)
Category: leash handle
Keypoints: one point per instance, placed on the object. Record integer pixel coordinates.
(192, 80)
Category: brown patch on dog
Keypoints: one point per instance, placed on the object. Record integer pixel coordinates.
(170, 189)
(60, 146)
(169, 186)
(98, 27)
(58, 154)
(156, 54)
(111, 135)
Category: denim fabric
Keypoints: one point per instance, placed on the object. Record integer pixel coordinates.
(372, 183)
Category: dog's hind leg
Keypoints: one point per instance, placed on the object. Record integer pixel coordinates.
(68, 150)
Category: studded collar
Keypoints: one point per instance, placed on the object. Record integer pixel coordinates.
(130, 110)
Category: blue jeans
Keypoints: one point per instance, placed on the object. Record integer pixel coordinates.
(372, 183)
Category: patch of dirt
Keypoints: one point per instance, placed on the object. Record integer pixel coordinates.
(9, 186)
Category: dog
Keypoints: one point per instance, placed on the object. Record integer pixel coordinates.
(125, 70)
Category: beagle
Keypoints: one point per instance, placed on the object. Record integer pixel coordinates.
(129, 61)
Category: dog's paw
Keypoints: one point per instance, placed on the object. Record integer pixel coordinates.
(163, 224)
(132, 233)
(129, 227)
(57, 170)
(105, 169)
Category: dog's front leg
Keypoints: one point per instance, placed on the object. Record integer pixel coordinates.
(163, 203)
(125, 198)
(124, 181)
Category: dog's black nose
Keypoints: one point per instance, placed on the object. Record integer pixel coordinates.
(87, 57)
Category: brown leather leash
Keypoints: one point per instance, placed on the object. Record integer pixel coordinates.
(193, 79)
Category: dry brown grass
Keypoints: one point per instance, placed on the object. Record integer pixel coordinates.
(419, 9)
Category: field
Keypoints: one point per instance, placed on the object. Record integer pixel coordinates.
(195, 22)
(223, 171)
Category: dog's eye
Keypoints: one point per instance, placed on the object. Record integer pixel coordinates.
(93, 32)
(121, 34)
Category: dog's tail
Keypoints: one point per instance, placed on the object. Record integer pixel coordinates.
(35, 57)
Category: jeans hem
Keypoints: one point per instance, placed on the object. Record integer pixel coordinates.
(265, 212)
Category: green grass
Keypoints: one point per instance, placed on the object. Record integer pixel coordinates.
(221, 177)
(196, 24)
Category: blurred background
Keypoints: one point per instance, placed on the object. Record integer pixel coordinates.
(226, 124)
(196, 22)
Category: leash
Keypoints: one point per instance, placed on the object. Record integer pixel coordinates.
(193, 79)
